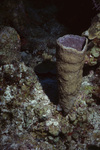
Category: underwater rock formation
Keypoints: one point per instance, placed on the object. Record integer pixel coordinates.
(70, 60)
(9, 45)
(94, 30)
(93, 34)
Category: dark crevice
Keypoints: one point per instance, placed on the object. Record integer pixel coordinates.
(87, 69)
(93, 147)
(46, 72)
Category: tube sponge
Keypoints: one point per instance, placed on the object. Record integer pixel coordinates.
(70, 55)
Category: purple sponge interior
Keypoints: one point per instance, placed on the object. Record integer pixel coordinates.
(73, 41)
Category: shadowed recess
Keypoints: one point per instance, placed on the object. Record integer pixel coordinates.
(46, 72)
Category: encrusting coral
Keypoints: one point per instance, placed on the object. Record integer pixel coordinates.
(70, 60)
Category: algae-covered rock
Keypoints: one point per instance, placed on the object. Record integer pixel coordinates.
(94, 30)
(43, 113)
(9, 45)
(65, 127)
(28, 114)
(95, 51)
(53, 126)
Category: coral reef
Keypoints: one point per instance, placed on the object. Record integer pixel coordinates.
(30, 116)
(28, 120)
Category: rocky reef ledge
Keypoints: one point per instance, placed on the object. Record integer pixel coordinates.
(29, 120)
